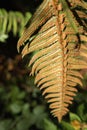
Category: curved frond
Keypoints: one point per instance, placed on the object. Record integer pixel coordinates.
(60, 52)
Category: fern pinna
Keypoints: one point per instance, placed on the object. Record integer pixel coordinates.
(57, 35)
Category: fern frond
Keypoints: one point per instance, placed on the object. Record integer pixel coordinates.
(12, 21)
(59, 52)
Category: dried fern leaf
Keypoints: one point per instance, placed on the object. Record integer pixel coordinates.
(59, 52)
(38, 19)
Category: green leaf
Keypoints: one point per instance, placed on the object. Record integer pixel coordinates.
(82, 111)
(67, 126)
(27, 17)
(12, 21)
(1, 21)
(3, 37)
(48, 125)
(21, 20)
(4, 21)
(5, 124)
(9, 27)
(39, 111)
(16, 93)
(23, 124)
(14, 24)
(26, 110)
(15, 108)
(21, 95)
(69, 16)
(74, 117)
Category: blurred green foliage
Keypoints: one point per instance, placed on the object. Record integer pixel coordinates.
(22, 107)
(12, 21)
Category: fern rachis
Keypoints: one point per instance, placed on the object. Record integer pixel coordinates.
(59, 53)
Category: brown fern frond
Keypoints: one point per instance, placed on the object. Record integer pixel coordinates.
(59, 52)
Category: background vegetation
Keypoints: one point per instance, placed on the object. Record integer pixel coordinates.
(21, 105)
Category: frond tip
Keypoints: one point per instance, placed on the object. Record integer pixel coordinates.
(59, 53)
